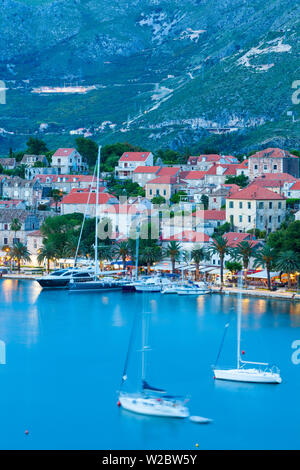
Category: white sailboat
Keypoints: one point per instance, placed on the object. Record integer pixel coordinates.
(150, 400)
(246, 371)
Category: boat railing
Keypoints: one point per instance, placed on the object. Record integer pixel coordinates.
(268, 368)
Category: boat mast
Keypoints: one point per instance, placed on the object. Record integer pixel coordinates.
(239, 318)
(137, 251)
(96, 219)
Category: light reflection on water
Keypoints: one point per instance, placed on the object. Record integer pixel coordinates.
(65, 357)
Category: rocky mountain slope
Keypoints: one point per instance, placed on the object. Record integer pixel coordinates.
(165, 72)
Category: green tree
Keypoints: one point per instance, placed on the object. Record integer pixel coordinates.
(198, 255)
(220, 247)
(15, 226)
(233, 266)
(150, 255)
(172, 251)
(57, 196)
(265, 257)
(244, 251)
(241, 180)
(47, 252)
(158, 200)
(123, 251)
(20, 253)
(176, 197)
(36, 146)
(204, 200)
(88, 149)
(224, 228)
(288, 262)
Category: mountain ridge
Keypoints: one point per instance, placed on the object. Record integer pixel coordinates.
(165, 73)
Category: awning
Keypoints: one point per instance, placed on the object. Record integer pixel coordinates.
(263, 275)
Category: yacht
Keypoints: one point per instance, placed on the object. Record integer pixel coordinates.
(60, 278)
(191, 290)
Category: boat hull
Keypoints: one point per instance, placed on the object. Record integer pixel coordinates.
(153, 407)
(147, 288)
(54, 284)
(92, 286)
(247, 375)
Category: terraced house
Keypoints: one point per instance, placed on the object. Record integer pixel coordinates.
(255, 207)
(130, 161)
(273, 160)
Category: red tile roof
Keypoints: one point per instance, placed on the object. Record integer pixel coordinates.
(211, 214)
(134, 156)
(64, 152)
(163, 180)
(147, 169)
(10, 203)
(255, 192)
(232, 187)
(295, 186)
(272, 153)
(234, 238)
(276, 176)
(81, 196)
(168, 171)
(189, 236)
(194, 175)
(37, 233)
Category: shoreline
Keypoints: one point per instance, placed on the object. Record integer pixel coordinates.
(282, 295)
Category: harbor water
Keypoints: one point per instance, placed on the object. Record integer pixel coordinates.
(65, 355)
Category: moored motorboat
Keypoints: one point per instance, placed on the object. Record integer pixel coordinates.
(60, 279)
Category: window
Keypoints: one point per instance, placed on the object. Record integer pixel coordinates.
(240, 205)
(249, 205)
(241, 218)
(279, 205)
(260, 205)
(249, 218)
(157, 192)
(265, 167)
(5, 226)
(230, 204)
(150, 192)
(270, 219)
(274, 167)
(255, 167)
(165, 192)
(231, 220)
(5, 241)
(279, 219)
(270, 205)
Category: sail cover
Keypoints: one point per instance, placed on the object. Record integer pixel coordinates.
(148, 387)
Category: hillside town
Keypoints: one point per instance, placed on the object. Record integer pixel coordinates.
(212, 198)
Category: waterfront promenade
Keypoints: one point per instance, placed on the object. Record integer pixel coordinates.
(251, 291)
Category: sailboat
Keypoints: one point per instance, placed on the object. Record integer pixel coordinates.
(95, 284)
(149, 400)
(258, 372)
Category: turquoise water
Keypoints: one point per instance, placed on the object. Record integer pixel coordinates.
(65, 356)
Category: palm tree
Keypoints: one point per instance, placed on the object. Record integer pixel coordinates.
(57, 197)
(198, 254)
(105, 252)
(150, 255)
(265, 257)
(15, 226)
(122, 251)
(47, 252)
(220, 247)
(244, 251)
(173, 252)
(20, 253)
(288, 262)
